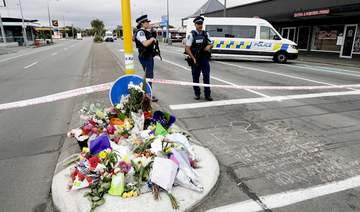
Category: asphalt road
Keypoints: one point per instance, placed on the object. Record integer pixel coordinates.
(270, 142)
(31, 137)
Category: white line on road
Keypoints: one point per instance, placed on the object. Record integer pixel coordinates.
(325, 69)
(54, 54)
(65, 49)
(33, 52)
(215, 78)
(30, 65)
(121, 50)
(291, 197)
(274, 73)
(262, 99)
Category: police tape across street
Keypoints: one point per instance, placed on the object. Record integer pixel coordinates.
(107, 86)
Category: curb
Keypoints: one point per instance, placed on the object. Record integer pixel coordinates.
(188, 199)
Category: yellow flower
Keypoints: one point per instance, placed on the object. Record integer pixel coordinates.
(85, 149)
(100, 114)
(124, 195)
(102, 155)
(126, 159)
(81, 157)
(135, 194)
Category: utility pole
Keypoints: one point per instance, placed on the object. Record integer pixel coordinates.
(224, 8)
(72, 30)
(23, 26)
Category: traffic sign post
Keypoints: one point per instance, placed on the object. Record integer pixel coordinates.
(128, 48)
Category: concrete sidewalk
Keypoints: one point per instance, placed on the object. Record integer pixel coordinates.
(103, 67)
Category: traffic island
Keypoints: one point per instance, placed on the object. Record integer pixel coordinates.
(65, 200)
(133, 157)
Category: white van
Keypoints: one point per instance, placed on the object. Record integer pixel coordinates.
(109, 37)
(246, 37)
(78, 36)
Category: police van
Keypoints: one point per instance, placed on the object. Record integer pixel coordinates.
(246, 37)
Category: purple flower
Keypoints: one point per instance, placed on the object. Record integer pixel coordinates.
(113, 111)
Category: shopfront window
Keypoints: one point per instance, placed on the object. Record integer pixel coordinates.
(357, 41)
(326, 37)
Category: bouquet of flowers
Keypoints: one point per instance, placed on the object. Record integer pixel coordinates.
(158, 155)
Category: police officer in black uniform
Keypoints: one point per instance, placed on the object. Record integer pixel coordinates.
(145, 44)
(195, 40)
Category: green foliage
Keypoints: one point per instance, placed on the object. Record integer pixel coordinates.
(98, 39)
(98, 26)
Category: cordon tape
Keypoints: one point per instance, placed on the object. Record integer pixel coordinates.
(107, 86)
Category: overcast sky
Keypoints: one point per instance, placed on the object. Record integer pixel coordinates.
(81, 12)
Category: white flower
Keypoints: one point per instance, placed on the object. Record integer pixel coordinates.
(100, 167)
(143, 161)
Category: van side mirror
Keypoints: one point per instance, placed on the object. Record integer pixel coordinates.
(277, 37)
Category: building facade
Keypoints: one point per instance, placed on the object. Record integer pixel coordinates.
(14, 33)
(331, 26)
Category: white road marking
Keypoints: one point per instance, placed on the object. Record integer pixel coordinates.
(215, 78)
(291, 197)
(30, 65)
(54, 54)
(121, 50)
(274, 73)
(65, 49)
(262, 99)
(325, 69)
(32, 52)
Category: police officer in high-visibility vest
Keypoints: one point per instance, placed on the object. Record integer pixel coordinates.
(198, 46)
(145, 44)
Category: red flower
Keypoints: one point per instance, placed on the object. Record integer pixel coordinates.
(94, 162)
(116, 140)
(147, 114)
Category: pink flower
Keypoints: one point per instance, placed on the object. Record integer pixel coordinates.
(111, 129)
(88, 127)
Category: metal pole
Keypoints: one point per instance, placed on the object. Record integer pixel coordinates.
(128, 47)
(50, 26)
(23, 26)
(2, 30)
(64, 28)
(224, 8)
(72, 30)
(167, 21)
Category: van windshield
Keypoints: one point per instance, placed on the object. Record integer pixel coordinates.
(231, 31)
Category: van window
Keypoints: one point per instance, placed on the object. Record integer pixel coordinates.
(267, 33)
(231, 31)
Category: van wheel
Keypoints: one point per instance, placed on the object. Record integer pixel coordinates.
(280, 57)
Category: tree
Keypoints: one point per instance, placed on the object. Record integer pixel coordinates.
(98, 26)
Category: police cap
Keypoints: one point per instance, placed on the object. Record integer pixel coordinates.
(198, 20)
(142, 19)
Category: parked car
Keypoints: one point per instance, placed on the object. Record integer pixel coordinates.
(115, 37)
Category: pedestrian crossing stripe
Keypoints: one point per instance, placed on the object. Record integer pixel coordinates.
(232, 44)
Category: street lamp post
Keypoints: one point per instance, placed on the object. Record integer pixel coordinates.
(167, 22)
(224, 8)
(50, 27)
(64, 28)
(23, 25)
(2, 27)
